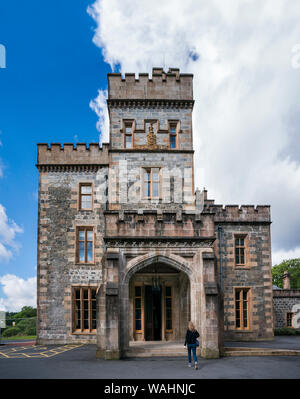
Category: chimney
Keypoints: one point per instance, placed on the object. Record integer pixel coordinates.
(286, 280)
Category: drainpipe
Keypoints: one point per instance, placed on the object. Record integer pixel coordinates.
(220, 237)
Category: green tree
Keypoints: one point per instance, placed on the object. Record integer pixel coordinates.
(26, 311)
(293, 267)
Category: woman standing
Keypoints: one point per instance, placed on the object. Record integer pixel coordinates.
(192, 343)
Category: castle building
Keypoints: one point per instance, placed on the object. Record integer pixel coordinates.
(129, 251)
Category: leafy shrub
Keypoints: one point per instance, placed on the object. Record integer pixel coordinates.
(11, 332)
(27, 326)
(285, 331)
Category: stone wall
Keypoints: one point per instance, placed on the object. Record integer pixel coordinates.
(59, 215)
(283, 301)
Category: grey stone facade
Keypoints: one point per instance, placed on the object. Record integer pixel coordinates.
(284, 301)
(181, 238)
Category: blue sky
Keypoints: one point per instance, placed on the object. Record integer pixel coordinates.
(53, 70)
(246, 66)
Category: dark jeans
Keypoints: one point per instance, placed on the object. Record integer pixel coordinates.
(192, 347)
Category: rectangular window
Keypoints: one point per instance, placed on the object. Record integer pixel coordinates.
(173, 135)
(129, 135)
(86, 196)
(84, 310)
(138, 308)
(168, 307)
(240, 251)
(289, 319)
(242, 308)
(151, 183)
(85, 245)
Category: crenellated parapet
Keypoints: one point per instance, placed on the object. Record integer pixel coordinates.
(171, 85)
(69, 154)
(243, 213)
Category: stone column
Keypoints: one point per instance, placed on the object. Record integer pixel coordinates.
(210, 310)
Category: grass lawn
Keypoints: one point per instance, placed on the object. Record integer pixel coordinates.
(19, 337)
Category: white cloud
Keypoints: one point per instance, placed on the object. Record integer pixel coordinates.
(246, 114)
(99, 106)
(279, 256)
(8, 231)
(19, 292)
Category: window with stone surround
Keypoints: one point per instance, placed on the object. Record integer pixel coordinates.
(240, 253)
(173, 134)
(151, 183)
(84, 310)
(138, 308)
(85, 245)
(128, 129)
(242, 296)
(86, 196)
(289, 319)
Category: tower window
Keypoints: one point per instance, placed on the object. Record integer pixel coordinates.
(86, 196)
(85, 245)
(168, 303)
(242, 308)
(151, 183)
(173, 135)
(240, 251)
(84, 309)
(129, 135)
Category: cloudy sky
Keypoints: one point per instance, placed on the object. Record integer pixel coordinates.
(245, 57)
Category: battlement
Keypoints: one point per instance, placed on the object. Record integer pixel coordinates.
(244, 213)
(71, 154)
(171, 85)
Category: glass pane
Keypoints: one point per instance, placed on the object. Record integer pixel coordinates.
(77, 305)
(168, 291)
(77, 324)
(242, 260)
(173, 141)
(168, 313)
(237, 323)
(242, 242)
(138, 303)
(77, 294)
(81, 252)
(90, 235)
(147, 189)
(94, 314)
(89, 251)
(128, 142)
(155, 189)
(237, 305)
(138, 291)
(93, 295)
(86, 189)
(86, 202)
(155, 176)
(128, 129)
(168, 302)
(169, 324)
(237, 295)
(86, 324)
(86, 314)
(85, 296)
(245, 294)
(138, 313)
(94, 324)
(81, 235)
(138, 324)
(173, 130)
(147, 176)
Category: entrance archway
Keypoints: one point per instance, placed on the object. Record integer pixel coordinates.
(159, 303)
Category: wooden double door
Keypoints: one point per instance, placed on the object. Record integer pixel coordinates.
(153, 313)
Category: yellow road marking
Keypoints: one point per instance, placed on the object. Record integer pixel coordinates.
(24, 352)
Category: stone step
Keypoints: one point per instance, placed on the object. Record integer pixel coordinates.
(260, 352)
